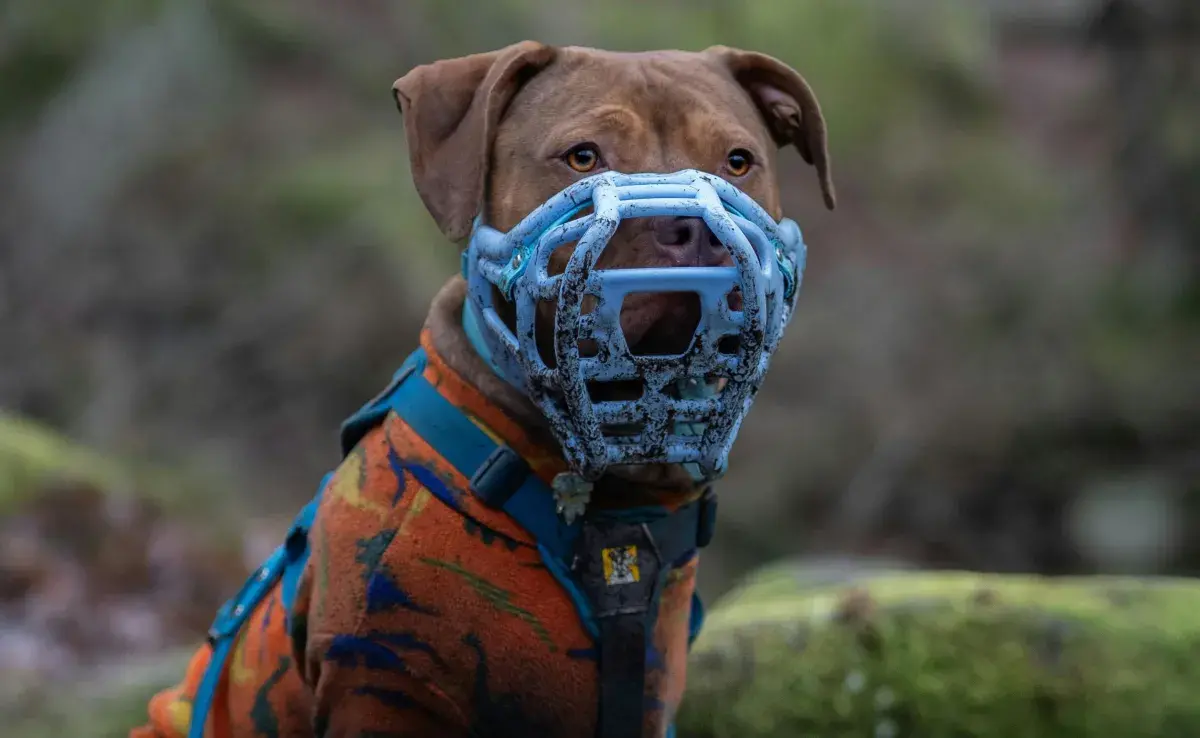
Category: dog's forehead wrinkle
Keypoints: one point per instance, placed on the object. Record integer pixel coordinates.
(563, 85)
(639, 79)
(611, 117)
(697, 114)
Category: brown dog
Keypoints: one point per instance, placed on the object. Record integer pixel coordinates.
(423, 612)
(499, 133)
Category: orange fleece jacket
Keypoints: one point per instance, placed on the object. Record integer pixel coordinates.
(423, 613)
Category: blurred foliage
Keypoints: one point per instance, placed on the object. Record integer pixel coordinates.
(211, 252)
(30, 454)
(827, 651)
(33, 457)
(107, 707)
(101, 561)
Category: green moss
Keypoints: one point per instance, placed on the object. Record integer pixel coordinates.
(948, 654)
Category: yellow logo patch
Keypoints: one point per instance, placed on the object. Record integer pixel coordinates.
(620, 565)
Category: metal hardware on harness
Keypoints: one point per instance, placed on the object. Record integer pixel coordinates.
(768, 258)
(571, 495)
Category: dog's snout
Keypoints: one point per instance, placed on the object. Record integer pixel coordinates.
(687, 241)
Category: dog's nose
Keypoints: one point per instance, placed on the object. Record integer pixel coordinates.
(688, 242)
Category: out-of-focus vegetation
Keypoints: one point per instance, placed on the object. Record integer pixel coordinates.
(102, 560)
(831, 652)
(211, 252)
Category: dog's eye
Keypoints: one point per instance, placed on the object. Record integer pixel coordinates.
(582, 158)
(739, 162)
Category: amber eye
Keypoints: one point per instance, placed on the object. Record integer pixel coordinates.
(739, 162)
(583, 158)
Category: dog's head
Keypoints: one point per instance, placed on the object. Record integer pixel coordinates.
(497, 134)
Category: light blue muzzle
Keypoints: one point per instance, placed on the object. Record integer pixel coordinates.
(686, 414)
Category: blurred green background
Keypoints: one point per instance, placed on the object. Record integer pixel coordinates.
(211, 252)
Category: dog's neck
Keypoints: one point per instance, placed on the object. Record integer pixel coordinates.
(452, 344)
(450, 340)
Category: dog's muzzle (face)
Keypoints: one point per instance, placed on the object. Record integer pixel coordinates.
(691, 404)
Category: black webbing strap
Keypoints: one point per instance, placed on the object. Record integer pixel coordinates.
(621, 568)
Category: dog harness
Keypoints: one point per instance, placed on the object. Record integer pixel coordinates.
(613, 564)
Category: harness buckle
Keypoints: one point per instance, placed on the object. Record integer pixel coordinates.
(499, 477)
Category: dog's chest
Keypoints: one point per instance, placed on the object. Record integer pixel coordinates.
(505, 641)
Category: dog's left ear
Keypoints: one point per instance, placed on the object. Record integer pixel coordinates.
(788, 105)
(451, 109)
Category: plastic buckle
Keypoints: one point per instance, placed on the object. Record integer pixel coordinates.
(499, 477)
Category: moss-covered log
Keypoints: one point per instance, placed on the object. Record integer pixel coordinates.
(941, 654)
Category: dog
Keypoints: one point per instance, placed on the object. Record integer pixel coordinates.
(499, 553)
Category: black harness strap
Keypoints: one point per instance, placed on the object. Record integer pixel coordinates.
(622, 567)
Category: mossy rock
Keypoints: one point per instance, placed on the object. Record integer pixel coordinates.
(941, 654)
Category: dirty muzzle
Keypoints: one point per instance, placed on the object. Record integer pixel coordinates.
(691, 404)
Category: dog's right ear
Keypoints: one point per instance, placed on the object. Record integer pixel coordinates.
(451, 109)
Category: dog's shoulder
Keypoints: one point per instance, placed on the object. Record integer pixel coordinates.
(392, 509)
(404, 556)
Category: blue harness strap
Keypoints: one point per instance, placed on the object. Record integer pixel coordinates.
(285, 565)
(498, 476)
